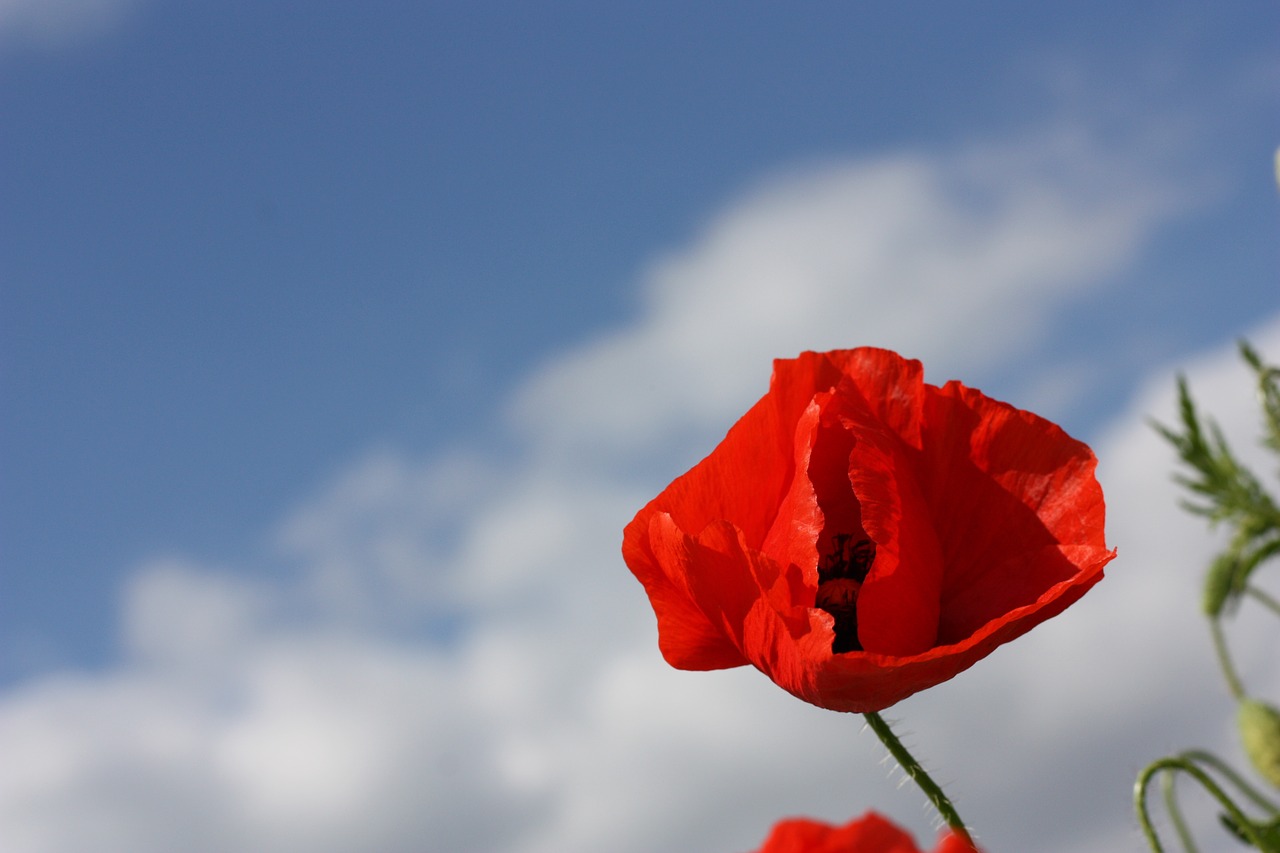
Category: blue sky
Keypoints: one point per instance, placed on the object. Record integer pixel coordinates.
(319, 325)
(244, 241)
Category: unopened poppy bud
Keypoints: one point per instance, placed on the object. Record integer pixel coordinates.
(1260, 733)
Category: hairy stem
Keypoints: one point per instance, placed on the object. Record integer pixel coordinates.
(916, 771)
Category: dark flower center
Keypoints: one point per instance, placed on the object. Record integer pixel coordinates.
(840, 576)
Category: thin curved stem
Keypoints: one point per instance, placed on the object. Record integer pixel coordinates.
(1236, 779)
(916, 771)
(1265, 599)
(1224, 660)
(1245, 826)
(1167, 783)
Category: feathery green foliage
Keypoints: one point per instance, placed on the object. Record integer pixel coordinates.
(1225, 491)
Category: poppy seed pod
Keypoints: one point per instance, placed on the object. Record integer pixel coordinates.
(860, 535)
(1260, 733)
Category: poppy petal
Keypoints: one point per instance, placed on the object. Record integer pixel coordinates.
(686, 638)
(994, 476)
(793, 537)
(870, 833)
(900, 604)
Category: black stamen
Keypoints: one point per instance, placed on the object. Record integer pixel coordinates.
(840, 577)
(849, 559)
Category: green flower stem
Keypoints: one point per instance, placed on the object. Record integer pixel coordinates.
(1236, 779)
(1264, 598)
(1167, 783)
(1172, 764)
(1224, 660)
(917, 773)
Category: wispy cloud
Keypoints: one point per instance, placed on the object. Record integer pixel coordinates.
(58, 23)
(958, 259)
(460, 661)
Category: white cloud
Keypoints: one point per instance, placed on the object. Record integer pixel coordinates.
(176, 612)
(365, 540)
(56, 23)
(958, 260)
(461, 661)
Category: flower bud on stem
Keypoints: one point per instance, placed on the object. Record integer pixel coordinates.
(917, 773)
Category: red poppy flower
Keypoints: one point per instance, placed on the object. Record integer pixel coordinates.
(869, 834)
(860, 535)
